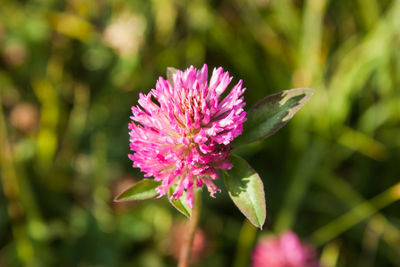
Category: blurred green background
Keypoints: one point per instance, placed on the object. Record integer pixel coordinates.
(71, 70)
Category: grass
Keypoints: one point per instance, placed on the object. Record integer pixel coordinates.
(326, 174)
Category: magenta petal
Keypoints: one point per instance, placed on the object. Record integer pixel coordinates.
(189, 196)
(180, 133)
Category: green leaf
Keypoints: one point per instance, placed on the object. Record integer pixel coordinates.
(170, 72)
(179, 204)
(272, 113)
(246, 190)
(143, 189)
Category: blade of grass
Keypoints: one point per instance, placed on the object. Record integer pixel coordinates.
(369, 10)
(356, 215)
(330, 254)
(310, 44)
(298, 187)
(245, 244)
(12, 192)
(357, 65)
(360, 142)
(348, 196)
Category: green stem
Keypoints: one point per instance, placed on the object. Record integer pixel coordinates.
(245, 244)
(190, 231)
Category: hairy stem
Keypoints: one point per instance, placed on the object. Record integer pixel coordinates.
(190, 231)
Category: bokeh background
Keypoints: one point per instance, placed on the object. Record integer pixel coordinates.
(71, 70)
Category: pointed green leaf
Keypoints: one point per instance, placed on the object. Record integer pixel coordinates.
(170, 72)
(246, 190)
(179, 204)
(272, 113)
(143, 189)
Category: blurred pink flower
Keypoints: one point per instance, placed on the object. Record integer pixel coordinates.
(283, 251)
(181, 132)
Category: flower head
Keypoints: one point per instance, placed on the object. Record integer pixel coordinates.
(181, 131)
(283, 251)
